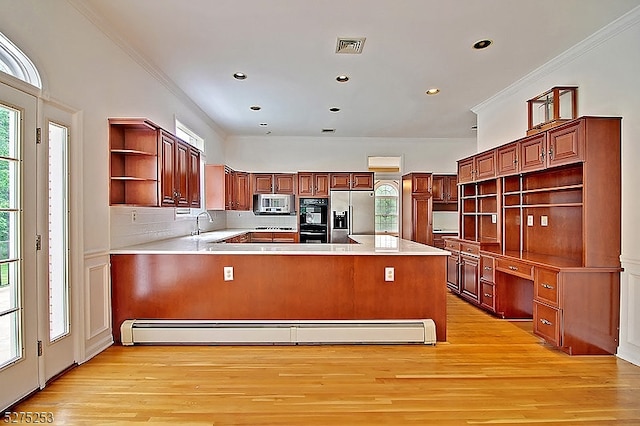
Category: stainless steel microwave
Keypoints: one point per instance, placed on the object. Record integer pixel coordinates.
(274, 204)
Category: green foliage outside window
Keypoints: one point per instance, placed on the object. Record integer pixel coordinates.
(4, 193)
(386, 209)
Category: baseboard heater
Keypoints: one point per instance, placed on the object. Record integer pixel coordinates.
(229, 332)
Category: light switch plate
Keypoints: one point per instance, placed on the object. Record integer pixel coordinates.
(544, 221)
(530, 220)
(494, 218)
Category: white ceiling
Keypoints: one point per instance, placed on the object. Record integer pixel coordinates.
(287, 49)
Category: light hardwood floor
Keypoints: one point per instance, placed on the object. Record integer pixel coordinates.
(490, 371)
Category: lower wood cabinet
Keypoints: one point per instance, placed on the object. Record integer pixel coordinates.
(469, 285)
(274, 237)
(546, 323)
(573, 309)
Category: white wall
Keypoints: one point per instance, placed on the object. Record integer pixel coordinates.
(332, 153)
(606, 68)
(83, 68)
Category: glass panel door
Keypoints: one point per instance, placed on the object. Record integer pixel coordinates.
(18, 289)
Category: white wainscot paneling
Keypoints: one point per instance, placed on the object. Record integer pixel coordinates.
(97, 304)
(629, 348)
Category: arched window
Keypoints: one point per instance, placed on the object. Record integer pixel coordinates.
(14, 62)
(386, 193)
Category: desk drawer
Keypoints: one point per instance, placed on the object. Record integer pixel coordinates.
(487, 296)
(546, 286)
(470, 249)
(515, 267)
(486, 268)
(451, 245)
(546, 323)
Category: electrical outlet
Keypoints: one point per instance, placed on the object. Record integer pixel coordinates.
(134, 216)
(529, 220)
(544, 220)
(389, 273)
(228, 273)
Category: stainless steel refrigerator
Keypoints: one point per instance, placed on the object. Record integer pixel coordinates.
(352, 212)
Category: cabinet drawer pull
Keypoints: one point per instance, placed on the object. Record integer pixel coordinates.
(488, 295)
(513, 268)
(545, 322)
(488, 268)
(549, 286)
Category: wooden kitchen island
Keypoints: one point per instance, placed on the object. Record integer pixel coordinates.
(183, 278)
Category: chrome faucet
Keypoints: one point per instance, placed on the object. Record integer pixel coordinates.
(198, 221)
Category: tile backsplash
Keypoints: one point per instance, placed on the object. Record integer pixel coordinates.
(152, 223)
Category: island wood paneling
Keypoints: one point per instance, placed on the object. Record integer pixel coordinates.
(268, 286)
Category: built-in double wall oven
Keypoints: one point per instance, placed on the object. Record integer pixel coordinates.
(313, 220)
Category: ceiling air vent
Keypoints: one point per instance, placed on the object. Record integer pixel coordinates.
(350, 45)
(328, 130)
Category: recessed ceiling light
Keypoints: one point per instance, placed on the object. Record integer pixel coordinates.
(239, 76)
(342, 78)
(255, 107)
(263, 124)
(482, 44)
(433, 91)
(334, 109)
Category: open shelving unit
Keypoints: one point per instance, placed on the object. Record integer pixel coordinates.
(542, 213)
(479, 211)
(134, 162)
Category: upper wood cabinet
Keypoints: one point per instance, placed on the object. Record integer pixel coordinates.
(567, 143)
(351, 181)
(180, 178)
(420, 182)
(150, 166)
(313, 184)
(226, 189)
(561, 145)
(478, 167)
(274, 183)
(444, 188)
(508, 158)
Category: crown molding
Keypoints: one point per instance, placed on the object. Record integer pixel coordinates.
(616, 27)
(102, 25)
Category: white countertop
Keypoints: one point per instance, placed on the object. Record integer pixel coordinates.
(210, 243)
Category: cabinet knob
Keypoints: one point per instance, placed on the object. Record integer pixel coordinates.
(549, 286)
(488, 295)
(513, 268)
(545, 322)
(488, 268)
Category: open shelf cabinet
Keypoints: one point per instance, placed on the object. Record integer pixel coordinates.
(133, 147)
